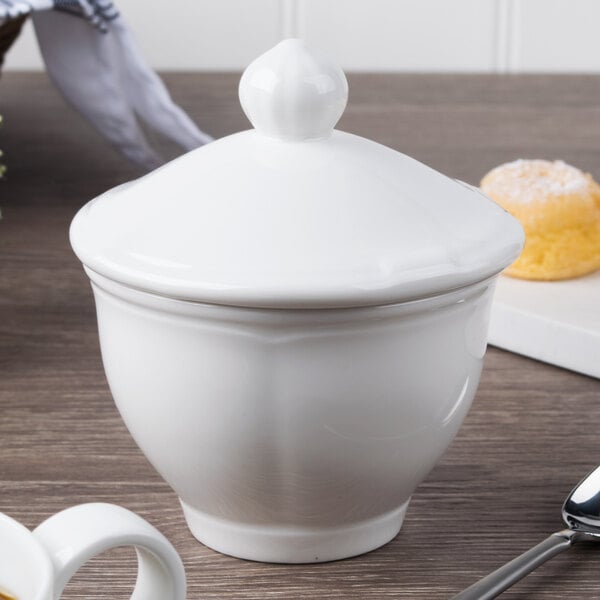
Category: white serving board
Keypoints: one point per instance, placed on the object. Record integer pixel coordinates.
(556, 322)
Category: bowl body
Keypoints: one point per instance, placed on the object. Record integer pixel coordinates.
(25, 568)
(292, 435)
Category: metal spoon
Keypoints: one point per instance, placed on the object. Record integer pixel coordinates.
(581, 514)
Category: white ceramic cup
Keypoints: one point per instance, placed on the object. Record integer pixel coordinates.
(292, 435)
(38, 565)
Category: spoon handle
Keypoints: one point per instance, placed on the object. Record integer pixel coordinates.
(501, 579)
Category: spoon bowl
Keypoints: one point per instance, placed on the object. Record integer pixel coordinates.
(581, 509)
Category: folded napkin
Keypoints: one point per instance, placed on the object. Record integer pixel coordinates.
(96, 64)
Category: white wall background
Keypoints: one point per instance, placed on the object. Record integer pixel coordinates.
(364, 35)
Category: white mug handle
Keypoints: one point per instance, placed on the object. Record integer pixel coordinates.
(75, 535)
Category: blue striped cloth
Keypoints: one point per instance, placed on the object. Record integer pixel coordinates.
(98, 12)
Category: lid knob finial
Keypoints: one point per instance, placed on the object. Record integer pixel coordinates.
(293, 93)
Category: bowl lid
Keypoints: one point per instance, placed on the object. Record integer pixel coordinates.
(294, 213)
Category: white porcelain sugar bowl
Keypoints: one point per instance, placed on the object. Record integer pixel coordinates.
(293, 319)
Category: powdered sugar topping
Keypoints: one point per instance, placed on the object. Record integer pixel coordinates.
(534, 180)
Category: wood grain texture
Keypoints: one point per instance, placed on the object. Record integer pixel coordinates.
(531, 434)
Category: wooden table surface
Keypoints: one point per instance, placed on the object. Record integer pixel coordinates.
(531, 434)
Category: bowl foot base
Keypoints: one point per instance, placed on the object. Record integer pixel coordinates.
(289, 544)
